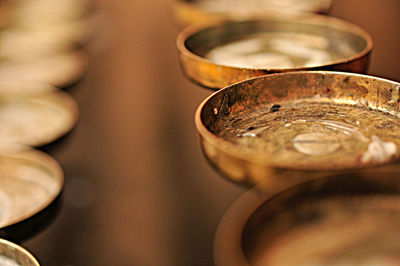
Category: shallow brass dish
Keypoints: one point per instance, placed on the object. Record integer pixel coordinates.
(60, 69)
(21, 44)
(30, 182)
(12, 254)
(218, 54)
(347, 219)
(35, 114)
(313, 122)
(187, 12)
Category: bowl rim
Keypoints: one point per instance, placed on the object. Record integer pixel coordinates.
(55, 99)
(316, 20)
(20, 250)
(45, 160)
(321, 8)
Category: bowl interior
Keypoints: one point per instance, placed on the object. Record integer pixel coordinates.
(14, 255)
(306, 120)
(276, 44)
(31, 181)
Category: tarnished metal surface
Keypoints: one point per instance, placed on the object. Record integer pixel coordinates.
(305, 121)
(326, 44)
(189, 12)
(346, 219)
(12, 254)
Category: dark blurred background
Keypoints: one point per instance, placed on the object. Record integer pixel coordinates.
(138, 190)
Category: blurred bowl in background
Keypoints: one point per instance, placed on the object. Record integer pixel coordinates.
(60, 70)
(35, 114)
(23, 44)
(36, 12)
(31, 181)
(346, 219)
(187, 12)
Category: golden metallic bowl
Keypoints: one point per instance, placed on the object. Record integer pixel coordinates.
(35, 114)
(313, 122)
(347, 219)
(24, 44)
(30, 182)
(219, 54)
(187, 12)
(12, 254)
(58, 69)
(31, 227)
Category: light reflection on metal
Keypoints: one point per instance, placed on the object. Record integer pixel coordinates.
(306, 122)
(326, 44)
(12, 254)
(31, 182)
(349, 218)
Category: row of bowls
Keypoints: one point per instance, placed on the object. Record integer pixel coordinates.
(297, 117)
(320, 146)
(42, 49)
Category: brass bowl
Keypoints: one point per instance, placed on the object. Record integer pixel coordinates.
(304, 122)
(35, 114)
(58, 69)
(29, 228)
(12, 254)
(348, 219)
(218, 54)
(186, 12)
(31, 181)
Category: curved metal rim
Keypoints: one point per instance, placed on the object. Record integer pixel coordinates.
(176, 4)
(315, 19)
(257, 158)
(60, 99)
(20, 249)
(227, 248)
(79, 54)
(56, 99)
(78, 74)
(51, 164)
(228, 236)
(68, 103)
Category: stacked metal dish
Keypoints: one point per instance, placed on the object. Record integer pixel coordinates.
(42, 41)
(41, 50)
(30, 186)
(34, 114)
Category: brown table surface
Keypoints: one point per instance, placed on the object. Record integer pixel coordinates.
(138, 190)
